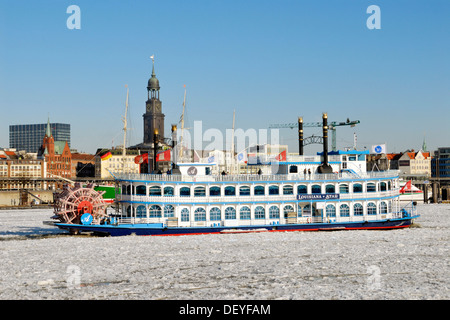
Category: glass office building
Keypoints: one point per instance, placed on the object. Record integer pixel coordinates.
(440, 164)
(29, 136)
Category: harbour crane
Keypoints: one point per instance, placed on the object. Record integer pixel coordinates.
(331, 126)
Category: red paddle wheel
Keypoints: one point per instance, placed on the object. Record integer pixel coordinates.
(71, 203)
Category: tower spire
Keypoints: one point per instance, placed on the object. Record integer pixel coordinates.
(48, 131)
(153, 67)
(424, 144)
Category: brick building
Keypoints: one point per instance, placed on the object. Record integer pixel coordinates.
(83, 165)
(57, 155)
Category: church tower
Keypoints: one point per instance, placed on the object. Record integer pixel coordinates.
(153, 116)
(48, 143)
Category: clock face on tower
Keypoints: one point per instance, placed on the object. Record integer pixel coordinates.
(153, 107)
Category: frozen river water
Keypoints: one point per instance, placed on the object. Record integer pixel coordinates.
(410, 263)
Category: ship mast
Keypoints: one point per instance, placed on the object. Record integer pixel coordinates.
(180, 157)
(232, 146)
(124, 119)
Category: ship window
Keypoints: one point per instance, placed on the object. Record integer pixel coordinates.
(288, 190)
(316, 189)
(154, 191)
(329, 188)
(358, 209)
(344, 210)
(259, 190)
(200, 214)
(357, 188)
(124, 189)
(244, 191)
(383, 186)
(214, 191)
(244, 213)
(184, 215)
(371, 208)
(141, 191)
(383, 207)
(287, 209)
(129, 211)
(293, 169)
(230, 213)
(230, 191)
(214, 214)
(185, 192)
(141, 212)
(274, 212)
(169, 211)
(200, 192)
(260, 213)
(168, 191)
(274, 190)
(330, 210)
(155, 211)
(371, 187)
(308, 210)
(302, 189)
(343, 188)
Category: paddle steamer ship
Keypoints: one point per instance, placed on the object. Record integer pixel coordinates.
(329, 191)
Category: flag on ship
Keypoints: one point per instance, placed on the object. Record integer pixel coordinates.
(163, 156)
(106, 156)
(242, 157)
(281, 156)
(379, 148)
(143, 158)
(410, 188)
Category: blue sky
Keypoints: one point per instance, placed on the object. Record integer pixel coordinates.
(271, 61)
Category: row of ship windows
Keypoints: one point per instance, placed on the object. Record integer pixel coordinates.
(215, 213)
(257, 190)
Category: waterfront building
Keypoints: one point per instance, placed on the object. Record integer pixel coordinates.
(29, 137)
(116, 162)
(440, 164)
(56, 154)
(83, 165)
(415, 165)
(18, 165)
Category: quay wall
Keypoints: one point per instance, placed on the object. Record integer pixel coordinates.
(22, 197)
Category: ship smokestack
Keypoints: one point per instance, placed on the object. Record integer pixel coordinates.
(325, 138)
(325, 167)
(300, 136)
(174, 169)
